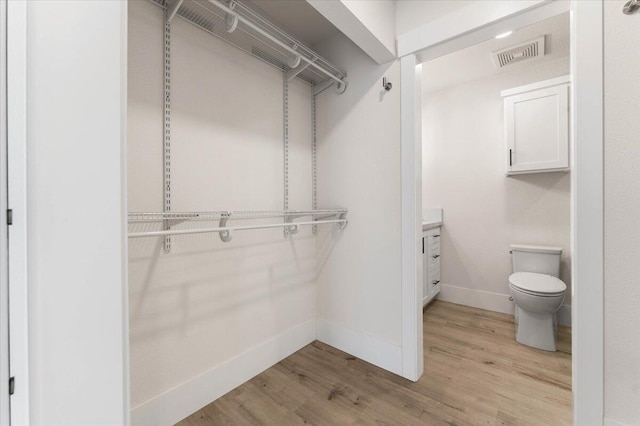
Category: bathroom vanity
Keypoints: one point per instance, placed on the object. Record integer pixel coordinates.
(431, 225)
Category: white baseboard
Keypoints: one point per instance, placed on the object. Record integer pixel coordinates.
(564, 315)
(496, 302)
(609, 422)
(187, 398)
(368, 348)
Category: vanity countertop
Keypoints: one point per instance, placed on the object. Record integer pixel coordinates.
(426, 226)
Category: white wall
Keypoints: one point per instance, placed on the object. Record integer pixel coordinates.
(359, 272)
(76, 206)
(411, 14)
(622, 213)
(484, 211)
(207, 302)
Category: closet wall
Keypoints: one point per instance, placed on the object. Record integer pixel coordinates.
(207, 303)
(359, 275)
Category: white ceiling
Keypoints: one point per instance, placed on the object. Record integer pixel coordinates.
(298, 18)
(476, 61)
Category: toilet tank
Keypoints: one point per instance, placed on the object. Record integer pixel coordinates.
(540, 259)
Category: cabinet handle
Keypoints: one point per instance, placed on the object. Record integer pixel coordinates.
(435, 256)
(510, 158)
(423, 246)
(435, 282)
(436, 236)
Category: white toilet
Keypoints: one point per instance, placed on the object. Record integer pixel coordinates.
(538, 294)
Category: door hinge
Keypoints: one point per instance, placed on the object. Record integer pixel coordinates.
(12, 385)
(9, 217)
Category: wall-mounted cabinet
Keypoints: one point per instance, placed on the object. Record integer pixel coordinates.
(536, 120)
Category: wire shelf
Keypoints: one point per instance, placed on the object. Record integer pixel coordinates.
(211, 18)
(169, 223)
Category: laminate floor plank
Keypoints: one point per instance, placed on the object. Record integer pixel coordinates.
(475, 374)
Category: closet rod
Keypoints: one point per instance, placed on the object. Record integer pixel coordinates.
(343, 222)
(256, 28)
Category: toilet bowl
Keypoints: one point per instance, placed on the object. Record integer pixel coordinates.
(538, 294)
(538, 297)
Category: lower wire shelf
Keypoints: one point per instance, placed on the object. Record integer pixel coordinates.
(220, 221)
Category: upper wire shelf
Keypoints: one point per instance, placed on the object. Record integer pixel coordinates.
(290, 221)
(243, 27)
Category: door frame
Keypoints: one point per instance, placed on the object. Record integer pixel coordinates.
(587, 187)
(4, 242)
(16, 183)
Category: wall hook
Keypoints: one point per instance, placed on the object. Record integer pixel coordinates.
(386, 85)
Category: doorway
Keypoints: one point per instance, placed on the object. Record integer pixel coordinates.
(586, 186)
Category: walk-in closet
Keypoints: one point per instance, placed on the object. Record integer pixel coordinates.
(237, 160)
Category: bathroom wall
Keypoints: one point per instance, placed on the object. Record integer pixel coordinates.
(485, 211)
(359, 271)
(209, 315)
(622, 216)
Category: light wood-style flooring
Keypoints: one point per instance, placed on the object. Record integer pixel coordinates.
(475, 374)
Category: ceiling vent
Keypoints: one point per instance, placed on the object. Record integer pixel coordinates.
(522, 52)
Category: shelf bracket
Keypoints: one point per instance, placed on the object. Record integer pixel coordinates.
(226, 235)
(293, 72)
(321, 87)
(293, 229)
(342, 225)
(173, 10)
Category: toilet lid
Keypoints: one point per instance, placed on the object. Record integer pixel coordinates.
(537, 283)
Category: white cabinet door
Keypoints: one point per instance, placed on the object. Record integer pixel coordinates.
(537, 130)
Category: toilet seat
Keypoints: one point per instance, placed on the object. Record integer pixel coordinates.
(537, 284)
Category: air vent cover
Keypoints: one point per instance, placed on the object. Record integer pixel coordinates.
(521, 52)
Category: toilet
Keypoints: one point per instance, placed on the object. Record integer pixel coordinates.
(538, 294)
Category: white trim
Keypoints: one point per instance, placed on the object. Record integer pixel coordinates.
(368, 348)
(536, 86)
(411, 198)
(187, 398)
(473, 18)
(17, 160)
(609, 422)
(4, 237)
(587, 222)
(524, 19)
(124, 101)
(495, 302)
(564, 315)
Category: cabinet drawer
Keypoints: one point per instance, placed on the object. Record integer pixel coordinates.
(434, 279)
